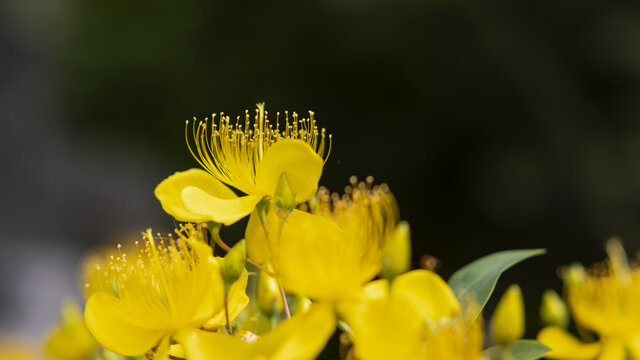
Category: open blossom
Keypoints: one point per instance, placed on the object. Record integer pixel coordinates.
(248, 158)
(416, 317)
(605, 300)
(138, 300)
(346, 235)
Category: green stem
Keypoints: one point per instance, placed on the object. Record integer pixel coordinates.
(226, 311)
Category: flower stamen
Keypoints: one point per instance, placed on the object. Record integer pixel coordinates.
(231, 152)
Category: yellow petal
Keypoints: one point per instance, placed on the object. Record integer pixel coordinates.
(566, 346)
(633, 345)
(300, 338)
(162, 352)
(508, 318)
(338, 267)
(374, 290)
(295, 158)
(176, 350)
(237, 299)
(427, 293)
(385, 328)
(205, 345)
(212, 208)
(612, 350)
(257, 244)
(377, 289)
(169, 192)
(105, 316)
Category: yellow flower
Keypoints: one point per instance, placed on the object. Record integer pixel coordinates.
(605, 300)
(416, 317)
(70, 339)
(249, 159)
(137, 301)
(300, 338)
(345, 235)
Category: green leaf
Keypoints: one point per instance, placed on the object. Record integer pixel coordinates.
(519, 350)
(478, 279)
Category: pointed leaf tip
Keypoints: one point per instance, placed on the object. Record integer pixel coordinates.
(478, 279)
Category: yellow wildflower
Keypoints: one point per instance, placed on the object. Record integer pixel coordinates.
(70, 339)
(249, 159)
(605, 300)
(300, 338)
(137, 301)
(346, 236)
(416, 317)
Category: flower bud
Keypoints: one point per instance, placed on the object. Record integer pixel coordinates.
(268, 295)
(397, 252)
(508, 318)
(553, 311)
(234, 262)
(574, 274)
(300, 304)
(70, 339)
(285, 198)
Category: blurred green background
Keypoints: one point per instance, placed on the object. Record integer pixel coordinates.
(498, 124)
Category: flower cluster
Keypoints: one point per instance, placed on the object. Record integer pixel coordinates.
(312, 263)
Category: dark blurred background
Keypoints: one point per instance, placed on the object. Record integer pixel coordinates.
(498, 124)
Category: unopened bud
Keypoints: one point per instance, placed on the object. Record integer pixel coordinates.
(234, 262)
(70, 339)
(618, 259)
(70, 312)
(345, 345)
(574, 274)
(508, 319)
(553, 311)
(285, 198)
(301, 304)
(397, 252)
(268, 295)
